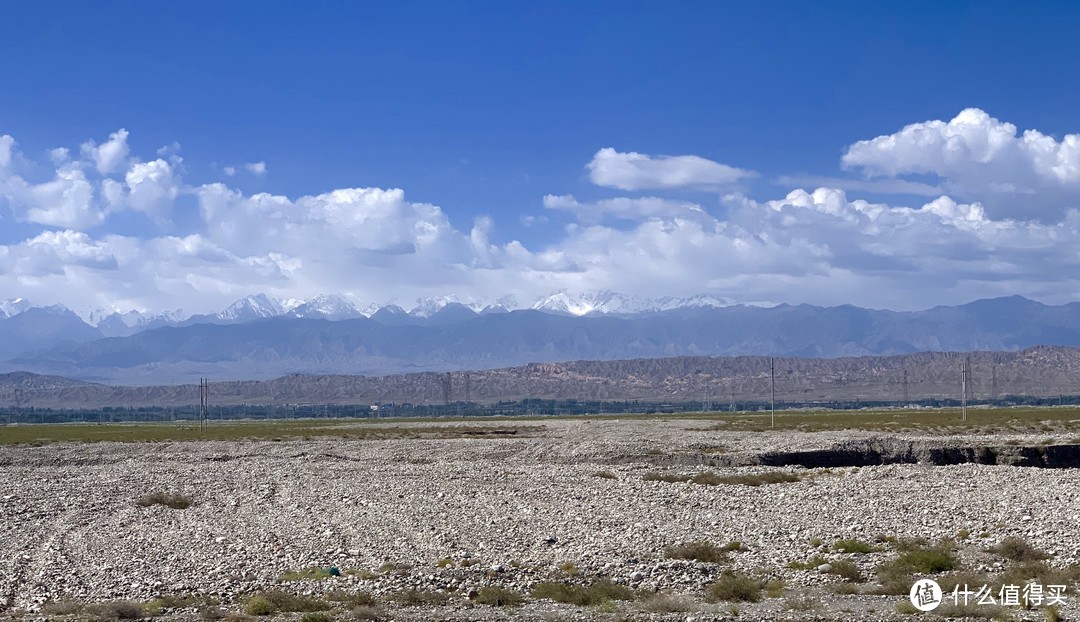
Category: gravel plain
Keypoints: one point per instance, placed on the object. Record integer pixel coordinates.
(569, 503)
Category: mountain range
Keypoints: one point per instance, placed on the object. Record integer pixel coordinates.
(261, 338)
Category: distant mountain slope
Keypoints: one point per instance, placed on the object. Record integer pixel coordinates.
(1043, 371)
(43, 328)
(456, 337)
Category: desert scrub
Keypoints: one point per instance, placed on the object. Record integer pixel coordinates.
(605, 475)
(499, 597)
(173, 500)
(445, 562)
(1017, 550)
(851, 545)
(115, 610)
(569, 568)
(420, 598)
(713, 479)
(274, 601)
(316, 617)
(314, 573)
(810, 564)
(669, 603)
(582, 595)
(400, 568)
(734, 587)
(846, 570)
(62, 607)
(352, 599)
(698, 551)
(897, 575)
(801, 601)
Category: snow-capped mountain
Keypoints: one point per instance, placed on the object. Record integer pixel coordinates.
(250, 308)
(427, 307)
(13, 306)
(327, 307)
(608, 302)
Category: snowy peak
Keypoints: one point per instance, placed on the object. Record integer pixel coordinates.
(606, 302)
(327, 307)
(13, 306)
(252, 308)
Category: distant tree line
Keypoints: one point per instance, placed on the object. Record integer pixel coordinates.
(525, 407)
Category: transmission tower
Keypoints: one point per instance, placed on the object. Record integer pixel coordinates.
(772, 390)
(993, 383)
(964, 371)
(447, 387)
(204, 398)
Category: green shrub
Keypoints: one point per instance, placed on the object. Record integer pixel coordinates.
(1018, 550)
(316, 617)
(697, 551)
(499, 597)
(851, 545)
(734, 587)
(846, 570)
(897, 575)
(352, 599)
(928, 561)
(116, 610)
(314, 573)
(810, 564)
(582, 595)
(669, 603)
(259, 605)
(413, 597)
(274, 601)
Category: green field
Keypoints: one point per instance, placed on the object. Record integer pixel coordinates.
(1032, 420)
(279, 430)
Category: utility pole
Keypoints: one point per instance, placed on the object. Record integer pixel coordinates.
(993, 383)
(204, 398)
(964, 390)
(772, 390)
(907, 397)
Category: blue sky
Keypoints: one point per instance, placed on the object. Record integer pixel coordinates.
(478, 111)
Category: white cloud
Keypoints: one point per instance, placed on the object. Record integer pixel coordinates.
(66, 201)
(152, 188)
(623, 208)
(55, 253)
(638, 171)
(819, 246)
(7, 145)
(229, 170)
(979, 157)
(257, 169)
(109, 157)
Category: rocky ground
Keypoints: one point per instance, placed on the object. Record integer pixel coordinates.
(448, 518)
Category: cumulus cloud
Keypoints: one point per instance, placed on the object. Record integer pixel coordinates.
(110, 156)
(66, 201)
(257, 169)
(976, 156)
(823, 245)
(7, 145)
(639, 171)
